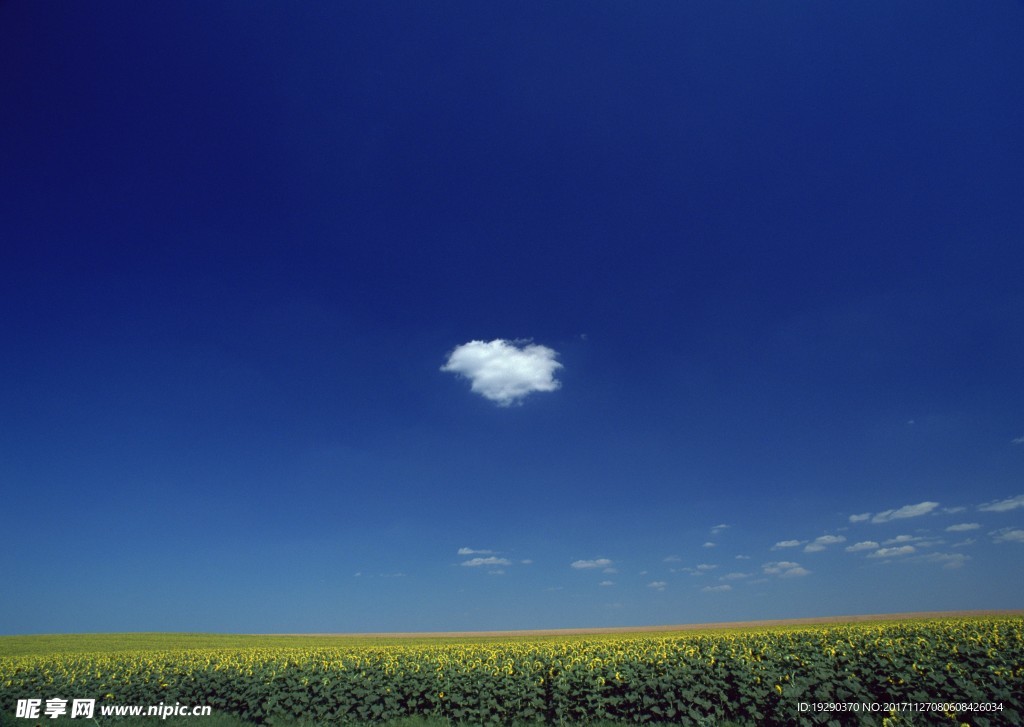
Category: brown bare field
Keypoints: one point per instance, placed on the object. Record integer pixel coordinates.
(916, 615)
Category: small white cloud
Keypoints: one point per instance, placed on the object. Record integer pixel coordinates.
(606, 583)
(784, 569)
(496, 572)
(823, 542)
(526, 561)
(953, 510)
(657, 585)
(860, 518)
(717, 589)
(830, 539)
(951, 561)
(719, 528)
(490, 560)
(1008, 535)
(862, 545)
(788, 544)
(671, 559)
(921, 508)
(596, 563)
(902, 539)
(888, 552)
(698, 571)
(1010, 503)
(742, 557)
(708, 544)
(472, 551)
(503, 372)
(733, 576)
(965, 543)
(1017, 440)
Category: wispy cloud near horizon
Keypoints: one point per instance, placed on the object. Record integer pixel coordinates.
(490, 560)
(788, 544)
(822, 542)
(784, 569)
(921, 508)
(595, 563)
(1010, 503)
(1008, 535)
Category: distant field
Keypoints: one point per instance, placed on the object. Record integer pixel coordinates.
(105, 643)
(970, 665)
(716, 626)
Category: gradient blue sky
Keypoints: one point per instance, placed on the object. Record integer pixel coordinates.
(776, 249)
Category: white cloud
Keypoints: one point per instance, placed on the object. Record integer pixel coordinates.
(502, 371)
(860, 518)
(708, 544)
(963, 527)
(671, 559)
(788, 544)
(717, 589)
(1010, 503)
(1017, 440)
(719, 528)
(784, 569)
(527, 561)
(823, 542)
(698, 571)
(902, 539)
(862, 545)
(596, 563)
(733, 576)
(490, 560)
(1008, 535)
(887, 552)
(948, 560)
(657, 585)
(742, 557)
(472, 551)
(921, 508)
(606, 583)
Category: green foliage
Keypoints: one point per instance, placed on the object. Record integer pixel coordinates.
(746, 677)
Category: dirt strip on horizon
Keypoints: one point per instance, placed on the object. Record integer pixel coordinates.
(916, 615)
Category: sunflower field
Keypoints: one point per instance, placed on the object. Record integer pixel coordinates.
(943, 672)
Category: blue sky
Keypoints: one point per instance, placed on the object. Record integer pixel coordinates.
(406, 316)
